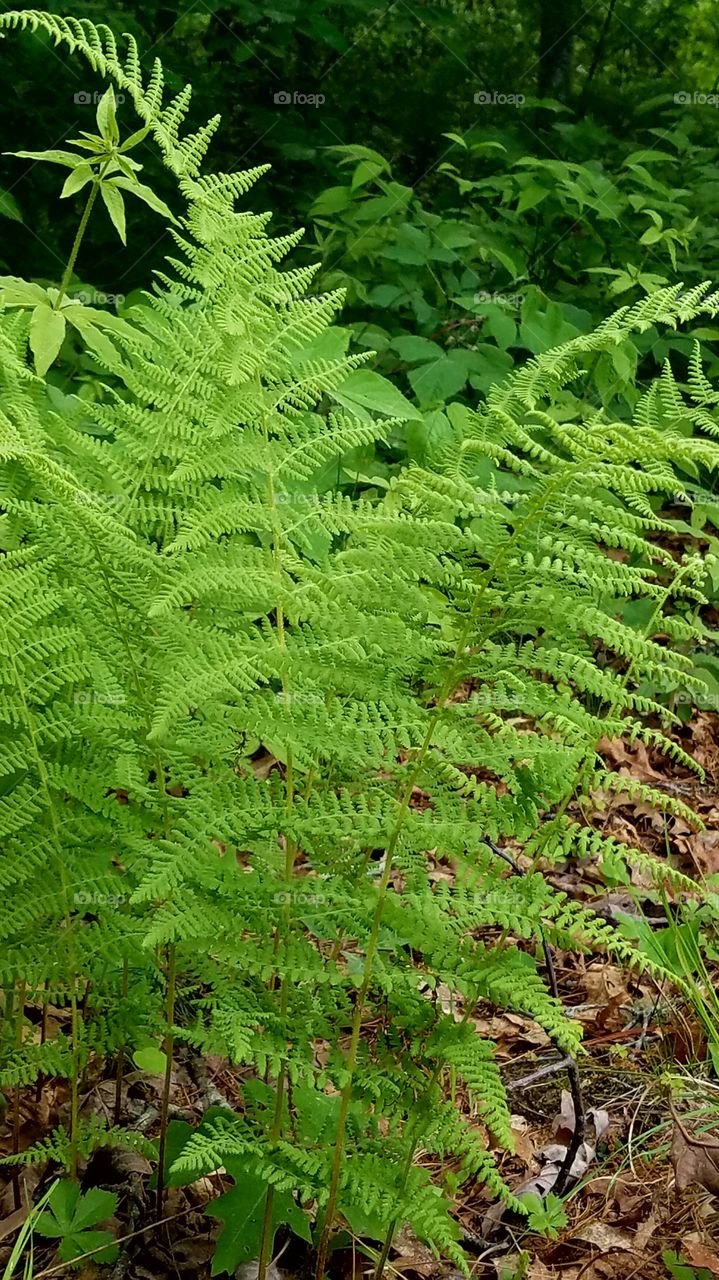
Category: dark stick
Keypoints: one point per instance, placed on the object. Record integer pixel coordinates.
(540, 1074)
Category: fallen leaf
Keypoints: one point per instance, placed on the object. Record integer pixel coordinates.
(699, 1256)
(695, 1159)
(538, 1271)
(524, 1147)
(606, 1237)
(644, 1233)
(11, 1223)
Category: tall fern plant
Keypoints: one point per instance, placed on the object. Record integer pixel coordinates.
(255, 716)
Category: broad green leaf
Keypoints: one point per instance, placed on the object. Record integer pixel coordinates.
(354, 151)
(179, 1133)
(115, 206)
(365, 172)
(501, 327)
(455, 235)
(77, 179)
(491, 366)
(437, 381)
(146, 194)
(150, 1059)
(53, 156)
(530, 196)
(414, 350)
(241, 1210)
(411, 246)
(9, 207)
(331, 200)
(15, 292)
(58, 1218)
(47, 330)
(386, 295)
(330, 344)
(91, 334)
(138, 136)
(364, 389)
(422, 437)
(78, 1244)
(107, 118)
(93, 1206)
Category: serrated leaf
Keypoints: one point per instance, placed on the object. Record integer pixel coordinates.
(15, 292)
(138, 136)
(92, 1207)
(76, 1246)
(92, 335)
(437, 381)
(416, 350)
(47, 330)
(57, 1220)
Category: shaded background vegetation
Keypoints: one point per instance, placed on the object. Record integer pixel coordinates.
(394, 77)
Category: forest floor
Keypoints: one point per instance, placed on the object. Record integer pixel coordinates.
(625, 1216)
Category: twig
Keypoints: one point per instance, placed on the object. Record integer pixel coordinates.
(540, 1074)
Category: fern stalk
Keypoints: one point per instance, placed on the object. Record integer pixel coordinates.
(168, 1046)
(282, 933)
(19, 1021)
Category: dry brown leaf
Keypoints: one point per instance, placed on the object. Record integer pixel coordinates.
(644, 1232)
(413, 1255)
(631, 760)
(605, 982)
(695, 1159)
(606, 1237)
(263, 765)
(511, 1034)
(538, 1271)
(699, 1256)
(15, 1220)
(704, 849)
(524, 1147)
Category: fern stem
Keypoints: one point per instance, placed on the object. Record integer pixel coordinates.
(75, 1081)
(19, 1019)
(43, 1038)
(121, 1055)
(284, 924)
(168, 1048)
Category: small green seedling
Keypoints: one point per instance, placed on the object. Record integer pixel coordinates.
(70, 1217)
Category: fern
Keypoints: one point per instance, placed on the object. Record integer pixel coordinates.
(419, 670)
